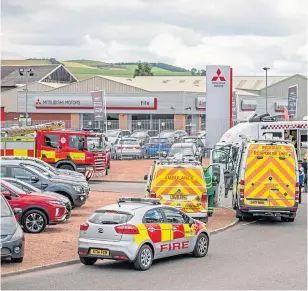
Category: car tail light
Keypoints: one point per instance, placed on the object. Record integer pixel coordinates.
(137, 148)
(242, 186)
(84, 226)
(152, 195)
(204, 198)
(297, 192)
(118, 148)
(127, 229)
(120, 257)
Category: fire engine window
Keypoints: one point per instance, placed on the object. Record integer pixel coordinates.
(76, 142)
(51, 141)
(153, 216)
(175, 216)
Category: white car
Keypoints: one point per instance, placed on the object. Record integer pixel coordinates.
(127, 148)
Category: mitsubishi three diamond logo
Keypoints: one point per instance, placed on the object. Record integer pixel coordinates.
(218, 80)
(38, 102)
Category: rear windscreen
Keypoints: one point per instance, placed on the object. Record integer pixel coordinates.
(110, 217)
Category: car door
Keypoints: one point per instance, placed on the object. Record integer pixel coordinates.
(182, 235)
(25, 175)
(158, 230)
(14, 201)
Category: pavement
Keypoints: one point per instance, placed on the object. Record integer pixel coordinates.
(254, 255)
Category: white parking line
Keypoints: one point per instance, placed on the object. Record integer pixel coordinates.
(253, 221)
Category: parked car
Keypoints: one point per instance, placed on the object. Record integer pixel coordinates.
(45, 181)
(28, 188)
(134, 230)
(127, 148)
(61, 172)
(12, 236)
(173, 135)
(196, 140)
(141, 135)
(116, 134)
(38, 210)
(186, 150)
(156, 147)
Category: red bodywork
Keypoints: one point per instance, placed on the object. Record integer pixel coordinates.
(31, 200)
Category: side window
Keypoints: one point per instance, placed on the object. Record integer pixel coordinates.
(153, 216)
(175, 216)
(51, 140)
(76, 142)
(3, 171)
(20, 173)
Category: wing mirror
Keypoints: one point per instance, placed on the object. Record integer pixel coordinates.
(34, 179)
(7, 195)
(227, 172)
(164, 154)
(145, 177)
(191, 222)
(17, 211)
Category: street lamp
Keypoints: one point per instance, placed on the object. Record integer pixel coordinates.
(27, 73)
(266, 69)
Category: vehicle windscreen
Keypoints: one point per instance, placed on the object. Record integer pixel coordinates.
(185, 151)
(112, 133)
(44, 171)
(159, 140)
(16, 189)
(5, 208)
(225, 148)
(167, 134)
(128, 142)
(95, 144)
(139, 134)
(109, 217)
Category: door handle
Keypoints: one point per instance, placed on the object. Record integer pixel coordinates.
(151, 229)
(174, 228)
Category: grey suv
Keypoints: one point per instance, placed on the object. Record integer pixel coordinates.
(45, 181)
(12, 236)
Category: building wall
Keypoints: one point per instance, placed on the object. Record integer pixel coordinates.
(280, 90)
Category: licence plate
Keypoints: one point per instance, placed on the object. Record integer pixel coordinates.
(99, 252)
(179, 197)
(257, 202)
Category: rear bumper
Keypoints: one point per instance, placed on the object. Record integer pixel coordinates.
(128, 249)
(270, 211)
(12, 248)
(129, 154)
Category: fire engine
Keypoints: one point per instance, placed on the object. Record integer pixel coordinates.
(80, 151)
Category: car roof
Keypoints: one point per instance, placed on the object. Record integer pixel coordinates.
(184, 145)
(18, 162)
(128, 206)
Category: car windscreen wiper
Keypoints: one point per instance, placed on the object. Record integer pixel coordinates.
(109, 222)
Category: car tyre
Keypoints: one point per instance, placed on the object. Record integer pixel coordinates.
(17, 260)
(144, 258)
(38, 218)
(88, 261)
(66, 167)
(202, 246)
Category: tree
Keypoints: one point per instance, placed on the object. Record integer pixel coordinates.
(194, 71)
(143, 69)
(203, 72)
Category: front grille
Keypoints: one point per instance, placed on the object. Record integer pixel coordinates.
(5, 252)
(99, 163)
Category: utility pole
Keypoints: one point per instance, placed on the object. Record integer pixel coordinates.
(266, 69)
(26, 73)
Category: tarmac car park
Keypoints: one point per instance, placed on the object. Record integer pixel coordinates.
(45, 181)
(37, 209)
(140, 230)
(12, 236)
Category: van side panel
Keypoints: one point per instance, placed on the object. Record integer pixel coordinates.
(270, 176)
(180, 187)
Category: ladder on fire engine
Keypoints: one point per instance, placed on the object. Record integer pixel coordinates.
(24, 130)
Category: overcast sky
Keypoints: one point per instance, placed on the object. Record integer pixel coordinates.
(246, 34)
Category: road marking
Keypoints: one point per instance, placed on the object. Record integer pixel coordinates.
(253, 221)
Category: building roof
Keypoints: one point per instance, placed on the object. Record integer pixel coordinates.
(14, 78)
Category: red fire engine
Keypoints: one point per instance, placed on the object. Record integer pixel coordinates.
(80, 151)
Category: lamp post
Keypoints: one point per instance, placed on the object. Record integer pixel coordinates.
(26, 73)
(266, 69)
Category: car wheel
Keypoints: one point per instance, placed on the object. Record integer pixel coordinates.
(202, 246)
(66, 167)
(17, 260)
(144, 258)
(34, 221)
(88, 261)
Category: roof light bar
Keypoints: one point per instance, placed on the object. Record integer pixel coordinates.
(139, 200)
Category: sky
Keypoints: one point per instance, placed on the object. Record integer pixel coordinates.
(246, 35)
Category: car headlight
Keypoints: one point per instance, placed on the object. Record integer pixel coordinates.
(18, 233)
(78, 188)
(56, 202)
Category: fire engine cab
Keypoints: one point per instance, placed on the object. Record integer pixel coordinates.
(80, 151)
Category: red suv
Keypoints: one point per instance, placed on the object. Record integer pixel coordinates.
(38, 209)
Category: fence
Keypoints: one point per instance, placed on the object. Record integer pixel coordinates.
(154, 124)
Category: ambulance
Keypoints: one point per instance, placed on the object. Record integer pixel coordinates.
(266, 180)
(181, 184)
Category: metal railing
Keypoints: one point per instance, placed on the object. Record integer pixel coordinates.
(154, 124)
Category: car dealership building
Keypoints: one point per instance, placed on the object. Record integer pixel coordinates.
(157, 102)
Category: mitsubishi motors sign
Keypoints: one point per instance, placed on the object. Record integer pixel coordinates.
(219, 117)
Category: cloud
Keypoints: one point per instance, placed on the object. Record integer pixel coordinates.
(190, 33)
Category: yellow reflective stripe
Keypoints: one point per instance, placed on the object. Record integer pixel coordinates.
(77, 156)
(20, 152)
(49, 154)
(188, 231)
(166, 232)
(143, 234)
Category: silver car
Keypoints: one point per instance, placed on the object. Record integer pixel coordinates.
(128, 148)
(140, 230)
(12, 236)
